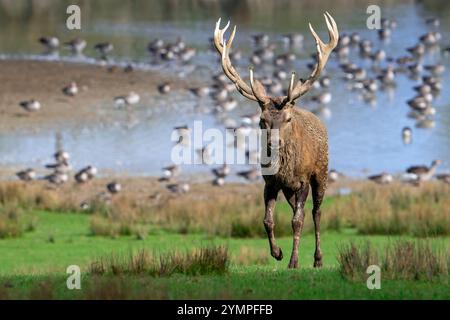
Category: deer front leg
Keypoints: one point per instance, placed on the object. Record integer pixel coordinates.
(318, 192)
(297, 201)
(270, 197)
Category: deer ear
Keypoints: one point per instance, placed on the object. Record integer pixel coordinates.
(288, 104)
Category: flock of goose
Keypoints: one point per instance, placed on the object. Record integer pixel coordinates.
(60, 171)
(366, 82)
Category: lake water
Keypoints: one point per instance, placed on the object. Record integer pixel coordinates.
(363, 138)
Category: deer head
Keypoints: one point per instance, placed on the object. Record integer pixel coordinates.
(276, 112)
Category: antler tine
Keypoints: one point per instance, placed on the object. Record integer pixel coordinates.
(319, 42)
(230, 41)
(226, 68)
(291, 86)
(323, 52)
(218, 35)
(250, 69)
(332, 29)
(223, 47)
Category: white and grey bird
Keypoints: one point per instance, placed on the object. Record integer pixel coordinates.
(435, 69)
(382, 178)
(50, 43)
(322, 98)
(221, 172)
(205, 154)
(164, 88)
(156, 45)
(431, 38)
(71, 90)
(228, 105)
(26, 175)
(250, 175)
(81, 177)
(418, 50)
(387, 76)
(423, 172)
(201, 92)
(218, 182)
(128, 99)
(114, 187)
(30, 105)
(57, 178)
(104, 48)
(293, 39)
(334, 175)
(91, 171)
(250, 119)
(59, 167)
(86, 174)
(76, 46)
(444, 177)
(183, 133)
(419, 103)
(406, 135)
(425, 123)
(422, 89)
(384, 33)
(179, 187)
(433, 21)
(61, 156)
(170, 172)
(187, 54)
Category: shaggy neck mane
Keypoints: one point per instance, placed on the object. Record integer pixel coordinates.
(289, 154)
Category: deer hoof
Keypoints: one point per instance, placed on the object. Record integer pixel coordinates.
(278, 254)
(318, 263)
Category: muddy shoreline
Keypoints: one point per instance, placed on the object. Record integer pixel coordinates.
(43, 80)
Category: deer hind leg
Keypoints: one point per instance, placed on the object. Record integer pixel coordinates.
(270, 197)
(297, 201)
(318, 191)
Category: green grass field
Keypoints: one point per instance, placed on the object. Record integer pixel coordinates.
(34, 265)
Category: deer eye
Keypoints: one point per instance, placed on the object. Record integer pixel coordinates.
(289, 119)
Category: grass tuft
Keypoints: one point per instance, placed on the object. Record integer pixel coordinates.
(406, 260)
(396, 209)
(207, 260)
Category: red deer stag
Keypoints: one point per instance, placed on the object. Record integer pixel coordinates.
(303, 141)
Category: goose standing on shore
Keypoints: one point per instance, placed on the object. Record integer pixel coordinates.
(26, 175)
(71, 90)
(424, 173)
(250, 175)
(30, 105)
(179, 188)
(164, 88)
(114, 187)
(444, 177)
(126, 100)
(382, 178)
(76, 46)
(170, 172)
(86, 174)
(104, 48)
(51, 44)
(57, 178)
(334, 175)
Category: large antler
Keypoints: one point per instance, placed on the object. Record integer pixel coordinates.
(323, 52)
(250, 92)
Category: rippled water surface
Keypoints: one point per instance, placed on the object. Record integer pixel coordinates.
(364, 138)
